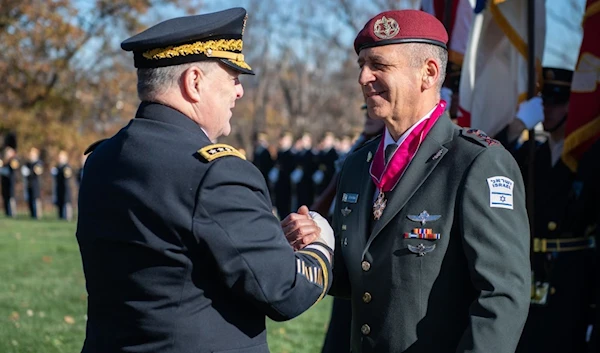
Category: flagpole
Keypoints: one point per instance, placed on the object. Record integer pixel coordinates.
(530, 94)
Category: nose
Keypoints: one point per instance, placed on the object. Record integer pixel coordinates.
(239, 90)
(365, 76)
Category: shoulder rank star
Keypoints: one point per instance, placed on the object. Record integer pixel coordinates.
(218, 150)
(424, 217)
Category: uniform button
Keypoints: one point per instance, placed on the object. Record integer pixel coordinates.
(552, 226)
(366, 266)
(365, 329)
(552, 291)
(367, 297)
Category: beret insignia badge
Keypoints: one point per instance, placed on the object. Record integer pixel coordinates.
(386, 28)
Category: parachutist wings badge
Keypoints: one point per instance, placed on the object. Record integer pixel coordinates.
(424, 217)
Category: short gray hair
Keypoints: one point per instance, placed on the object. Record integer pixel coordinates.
(419, 52)
(153, 82)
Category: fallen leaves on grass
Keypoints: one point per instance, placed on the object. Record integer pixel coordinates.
(69, 320)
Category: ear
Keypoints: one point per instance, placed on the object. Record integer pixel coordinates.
(191, 81)
(430, 74)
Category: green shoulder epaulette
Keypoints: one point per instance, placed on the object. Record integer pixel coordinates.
(93, 146)
(218, 150)
(479, 136)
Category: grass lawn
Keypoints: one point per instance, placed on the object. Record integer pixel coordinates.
(43, 297)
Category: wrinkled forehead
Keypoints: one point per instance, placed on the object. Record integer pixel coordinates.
(386, 53)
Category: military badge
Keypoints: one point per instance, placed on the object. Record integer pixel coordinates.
(218, 150)
(438, 154)
(386, 28)
(346, 211)
(350, 198)
(423, 217)
(421, 249)
(539, 293)
(379, 205)
(422, 233)
(483, 136)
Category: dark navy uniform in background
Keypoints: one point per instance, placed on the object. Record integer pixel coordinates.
(305, 190)
(263, 161)
(562, 256)
(283, 186)
(326, 160)
(63, 174)
(9, 179)
(32, 172)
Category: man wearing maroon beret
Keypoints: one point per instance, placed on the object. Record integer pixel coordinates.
(430, 220)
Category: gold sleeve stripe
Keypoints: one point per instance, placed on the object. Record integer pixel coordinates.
(323, 268)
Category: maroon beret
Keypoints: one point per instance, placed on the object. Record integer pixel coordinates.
(401, 26)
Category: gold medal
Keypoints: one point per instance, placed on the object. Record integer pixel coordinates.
(379, 205)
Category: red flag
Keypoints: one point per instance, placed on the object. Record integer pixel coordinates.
(583, 122)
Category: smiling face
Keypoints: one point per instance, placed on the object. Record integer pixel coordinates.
(390, 84)
(219, 91)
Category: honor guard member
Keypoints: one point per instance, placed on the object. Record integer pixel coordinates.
(432, 236)
(280, 175)
(180, 249)
(306, 164)
(63, 175)
(32, 172)
(8, 171)
(262, 157)
(326, 160)
(588, 221)
(561, 258)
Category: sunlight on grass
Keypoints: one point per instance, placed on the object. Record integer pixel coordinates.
(43, 297)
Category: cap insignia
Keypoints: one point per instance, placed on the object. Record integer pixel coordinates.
(386, 28)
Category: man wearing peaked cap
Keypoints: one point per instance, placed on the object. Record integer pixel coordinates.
(180, 248)
(430, 222)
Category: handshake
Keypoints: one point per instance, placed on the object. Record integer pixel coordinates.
(309, 229)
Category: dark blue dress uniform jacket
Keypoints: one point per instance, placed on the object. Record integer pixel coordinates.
(182, 254)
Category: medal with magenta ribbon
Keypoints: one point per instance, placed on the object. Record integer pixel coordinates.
(386, 176)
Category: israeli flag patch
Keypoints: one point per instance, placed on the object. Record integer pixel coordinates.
(501, 192)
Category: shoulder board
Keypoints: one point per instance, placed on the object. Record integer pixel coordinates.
(93, 146)
(478, 136)
(218, 150)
